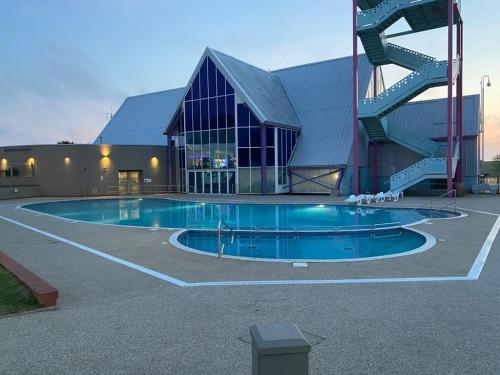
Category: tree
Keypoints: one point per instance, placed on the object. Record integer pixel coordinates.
(496, 157)
(65, 142)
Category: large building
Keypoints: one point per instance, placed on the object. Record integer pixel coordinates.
(238, 129)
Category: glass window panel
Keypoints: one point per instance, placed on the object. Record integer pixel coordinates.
(294, 138)
(212, 77)
(197, 138)
(255, 187)
(222, 136)
(230, 135)
(221, 83)
(229, 89)
(205, 137)
(196, 87)
(243, 116)
(270, 180)
(191, 187)
(232, 182)
(203, 80)
(270, 136)
(255, 137)
(231, 157)
(207, 182)
(223, 182)
(270, 156)
(189, 95)
(199, 185)
(189, 116)
(204, 115)
(243, 137)
(221, 109)
(215, 182)
(196, 115)
(212, 104)
(213, 136)
(244, 180)
(288, 145)
(244, 157)
(230, 111)
(253, 120)
(255, 157)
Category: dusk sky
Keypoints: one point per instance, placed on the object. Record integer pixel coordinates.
(65, 64)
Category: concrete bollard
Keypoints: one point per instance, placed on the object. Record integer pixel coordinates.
(279, 349)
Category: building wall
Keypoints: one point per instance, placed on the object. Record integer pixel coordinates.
(86, 170)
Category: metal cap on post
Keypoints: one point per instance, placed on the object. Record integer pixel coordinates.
(279, 349)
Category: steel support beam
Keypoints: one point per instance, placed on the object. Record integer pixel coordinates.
(355, 97)
(169, 161)
(459, 109)
(263, 160)
(449, 164)
(375, 144)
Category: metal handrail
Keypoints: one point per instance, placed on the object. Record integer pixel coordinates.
(220, 245)
(430, 203)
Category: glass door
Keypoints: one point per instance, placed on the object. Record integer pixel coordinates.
(129, 182)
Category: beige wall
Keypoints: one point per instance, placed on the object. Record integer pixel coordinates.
(81, 170)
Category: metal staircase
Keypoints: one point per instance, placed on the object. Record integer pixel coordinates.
(372, 21)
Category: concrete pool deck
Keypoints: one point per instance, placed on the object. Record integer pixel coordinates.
(114, 319)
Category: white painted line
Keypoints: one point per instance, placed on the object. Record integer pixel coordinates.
(299, 264)
(478, 265)
(112, 258)
(329, 282)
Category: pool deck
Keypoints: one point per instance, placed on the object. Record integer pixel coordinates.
(116, 319)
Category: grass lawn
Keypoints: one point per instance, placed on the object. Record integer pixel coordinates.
(14, 297)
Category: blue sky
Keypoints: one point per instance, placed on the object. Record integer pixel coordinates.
(66, 63)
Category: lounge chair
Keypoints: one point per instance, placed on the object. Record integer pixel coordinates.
(355, 199)
(380, 198)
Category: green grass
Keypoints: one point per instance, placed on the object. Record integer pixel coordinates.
(14, 297)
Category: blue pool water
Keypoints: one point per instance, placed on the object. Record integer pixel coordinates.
(165, 213)
(314, 247)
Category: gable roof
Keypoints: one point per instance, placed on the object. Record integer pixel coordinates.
(141, 119)
(262, 91)
(429, 117)
(321, 94)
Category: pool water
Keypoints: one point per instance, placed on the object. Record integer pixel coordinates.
(306, 247)
(167, 213)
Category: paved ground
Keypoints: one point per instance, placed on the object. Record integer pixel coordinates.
(113, 319)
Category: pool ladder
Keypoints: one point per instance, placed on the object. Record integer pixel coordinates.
(220, 245)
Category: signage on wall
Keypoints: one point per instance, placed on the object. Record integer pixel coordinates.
(147, 180)
(17, 149)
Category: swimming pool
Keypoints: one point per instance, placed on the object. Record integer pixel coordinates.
(306, 247)
(168, 213)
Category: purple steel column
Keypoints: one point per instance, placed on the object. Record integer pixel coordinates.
(375, 144)
(355, 96)
(263, 160)
(169, 160)
(459, 114)
(449, 161)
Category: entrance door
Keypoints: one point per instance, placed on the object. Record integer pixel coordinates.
(129, 182)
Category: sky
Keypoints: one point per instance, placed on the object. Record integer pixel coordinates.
(64, 65)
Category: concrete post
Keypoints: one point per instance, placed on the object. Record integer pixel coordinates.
(279, 349)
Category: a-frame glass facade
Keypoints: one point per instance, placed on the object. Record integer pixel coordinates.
(221, 152)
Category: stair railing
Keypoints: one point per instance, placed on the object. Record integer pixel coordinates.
(432, 203)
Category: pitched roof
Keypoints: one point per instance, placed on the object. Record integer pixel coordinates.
(261, 90)
(141, 119)
(321, 94)
(429, 117)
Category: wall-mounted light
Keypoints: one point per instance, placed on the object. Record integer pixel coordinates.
(154, 162)
(105, 151)
(3, 163)
(31, 161)
(67, 161)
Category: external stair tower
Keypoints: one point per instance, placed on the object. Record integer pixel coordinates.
(374, 18)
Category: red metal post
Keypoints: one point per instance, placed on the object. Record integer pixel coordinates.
(355, 96)
(375, 144)
(449, 164)
(459, 114)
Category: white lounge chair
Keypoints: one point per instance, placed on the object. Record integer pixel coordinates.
(380, 198)
(368, 198)
(396, 195)
(358, 199)
(388, 195)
